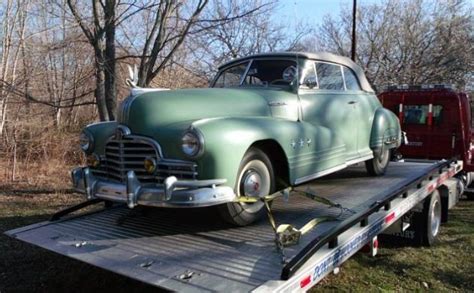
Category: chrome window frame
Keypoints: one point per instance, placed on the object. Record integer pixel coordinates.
(342, 74)
(250, 64)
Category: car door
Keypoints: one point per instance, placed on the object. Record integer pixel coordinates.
(363, 109)
(327, 104)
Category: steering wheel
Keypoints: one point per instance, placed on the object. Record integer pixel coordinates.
(280, 81)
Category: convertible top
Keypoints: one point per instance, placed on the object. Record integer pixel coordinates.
(319, 56)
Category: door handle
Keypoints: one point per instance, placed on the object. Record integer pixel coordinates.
(352, 102)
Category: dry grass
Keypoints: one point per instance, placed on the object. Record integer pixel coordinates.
(41, 163)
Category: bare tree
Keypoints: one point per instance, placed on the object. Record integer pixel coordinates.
(101, 35)
(254, 32)
(408, 41)
(167, 34)
(13, 24)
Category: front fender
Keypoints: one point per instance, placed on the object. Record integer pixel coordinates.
(101, 131)
(385, 130)
(307, 148)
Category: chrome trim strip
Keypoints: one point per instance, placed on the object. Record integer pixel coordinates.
(124, 129)
(245, 72)
(320, 174)
(140, 139)
(331, 170)
(276, 103)
(358, 160)
(125, 108)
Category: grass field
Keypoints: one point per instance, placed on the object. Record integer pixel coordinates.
(448, 266)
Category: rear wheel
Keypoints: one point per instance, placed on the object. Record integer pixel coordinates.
(428, 222)
(378, 165)
(255, 179)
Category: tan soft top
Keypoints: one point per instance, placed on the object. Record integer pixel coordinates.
(320, 56)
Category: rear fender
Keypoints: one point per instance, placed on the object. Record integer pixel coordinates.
(386, 130)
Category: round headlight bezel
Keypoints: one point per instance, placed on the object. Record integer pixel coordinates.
(192, 143)
(86, 142)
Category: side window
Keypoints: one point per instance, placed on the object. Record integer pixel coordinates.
(231, 76)
(330, 76)
(352, 84)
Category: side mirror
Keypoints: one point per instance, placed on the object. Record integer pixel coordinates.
(310, 82)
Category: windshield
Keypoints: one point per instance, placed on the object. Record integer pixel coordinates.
(258, 73)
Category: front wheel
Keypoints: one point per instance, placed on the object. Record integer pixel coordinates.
(255, 179)
(378, 165)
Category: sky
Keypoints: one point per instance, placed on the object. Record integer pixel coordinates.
(313, 11)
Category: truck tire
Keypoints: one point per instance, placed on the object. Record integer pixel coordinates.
(469, 195)
(378, 165)
(428, 222)
(255, 178)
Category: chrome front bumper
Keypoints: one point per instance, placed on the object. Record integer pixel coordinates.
(173, 193)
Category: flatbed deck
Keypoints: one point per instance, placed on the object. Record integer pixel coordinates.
(192, 250)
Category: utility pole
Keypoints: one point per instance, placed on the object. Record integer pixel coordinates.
(354, 15)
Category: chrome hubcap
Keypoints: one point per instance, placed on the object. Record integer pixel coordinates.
(252, 182)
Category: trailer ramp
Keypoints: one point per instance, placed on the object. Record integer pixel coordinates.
(192, 250)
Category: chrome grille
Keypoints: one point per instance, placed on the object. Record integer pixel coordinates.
(128, 154)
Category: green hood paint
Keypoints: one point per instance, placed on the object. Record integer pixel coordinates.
(169, 107)
(165, 115)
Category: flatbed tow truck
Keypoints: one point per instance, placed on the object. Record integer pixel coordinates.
(191, 250)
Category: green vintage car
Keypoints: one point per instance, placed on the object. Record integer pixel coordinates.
(267, 121)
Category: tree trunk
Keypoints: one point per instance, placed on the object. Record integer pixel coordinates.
(100, 89)
(110, 80)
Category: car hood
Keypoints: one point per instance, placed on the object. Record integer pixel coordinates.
(146, 112)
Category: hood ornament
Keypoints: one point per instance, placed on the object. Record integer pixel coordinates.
(132, 79)
(132, 82)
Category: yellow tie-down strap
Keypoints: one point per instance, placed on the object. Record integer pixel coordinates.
(287, 234)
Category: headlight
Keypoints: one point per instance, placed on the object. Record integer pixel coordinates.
(192, 143)
(86, 141)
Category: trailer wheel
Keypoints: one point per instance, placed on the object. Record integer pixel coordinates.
(378, 165)
(428, 222)
(255, 179)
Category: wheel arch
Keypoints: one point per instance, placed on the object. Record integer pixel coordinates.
(278, 158)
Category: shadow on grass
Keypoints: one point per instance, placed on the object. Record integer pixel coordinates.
(460, 279)
(385, 263)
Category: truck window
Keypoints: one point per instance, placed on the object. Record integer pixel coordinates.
(330, 76)
(418, 114)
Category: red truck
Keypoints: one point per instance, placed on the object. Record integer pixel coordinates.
(437, 121)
